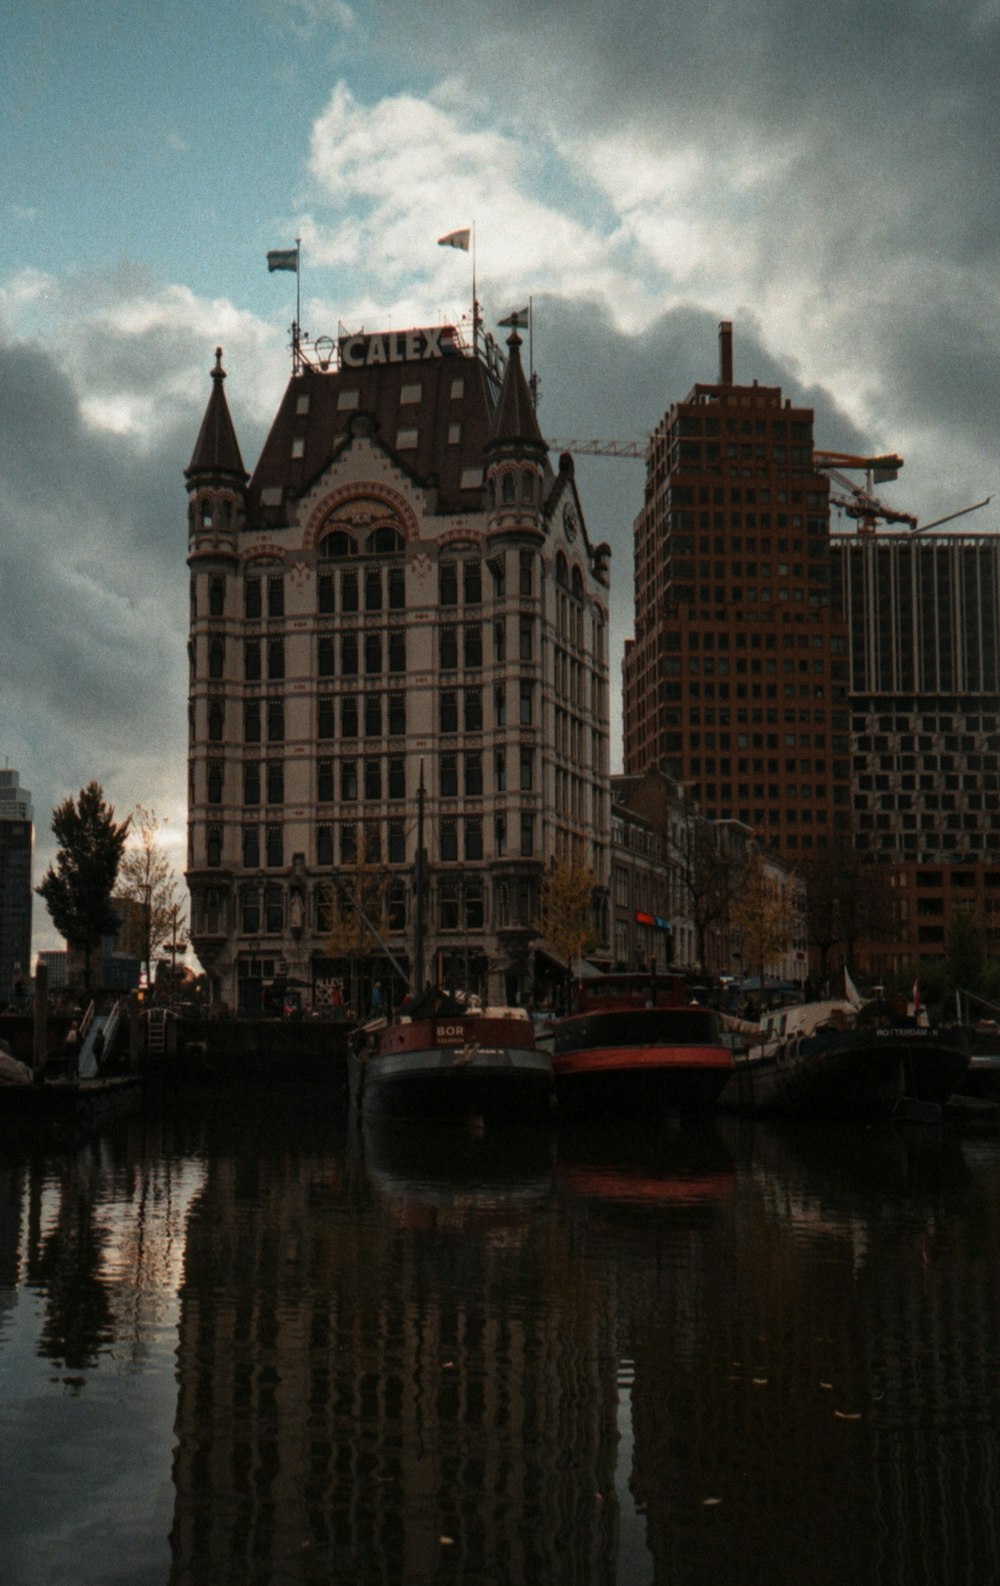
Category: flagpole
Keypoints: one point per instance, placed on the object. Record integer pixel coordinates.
(475, 300)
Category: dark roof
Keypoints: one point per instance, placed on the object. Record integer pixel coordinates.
(217, 452)
(432, 416)
(515, 420)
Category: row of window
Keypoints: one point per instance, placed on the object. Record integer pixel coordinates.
(264, 781)
(458, 903)
(457, 839)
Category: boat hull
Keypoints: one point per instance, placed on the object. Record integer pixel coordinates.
(838, 1074)
(497, 1084)
(638, 1062)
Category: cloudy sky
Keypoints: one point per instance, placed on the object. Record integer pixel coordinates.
(823, 177)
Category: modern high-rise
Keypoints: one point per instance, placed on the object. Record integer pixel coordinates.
(16, 842)
(403, 596)
(736, 677)
(923, 613)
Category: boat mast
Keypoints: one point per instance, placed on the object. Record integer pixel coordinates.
(419, 885)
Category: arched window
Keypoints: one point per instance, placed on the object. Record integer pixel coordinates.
(384, 540)
(338, 544)
(562, 571)
(578, 583)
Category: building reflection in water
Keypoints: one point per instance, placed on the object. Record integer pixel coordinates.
(726, 1356)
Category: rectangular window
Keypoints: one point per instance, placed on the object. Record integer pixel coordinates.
(397, 588)
(274, 912)
(324, 717)
(349, 716)
(373, 842)
(275, 658)
(348, 780)
(276, 782)
(397, 650)
(274, 847)
(251, 847)
(448, 584)
(397, 843)
(527, 770)
(251, 598)
(397, 777)
(213, 847)
(526, 630)
(276, 596)
(373, 715)
(473, 837)
(448, 903)
(348, 843)
(527, 835)
(373, 589)
(472, 582)
(473, 898)
(324, 655)
(324, 845)
(448, 711)
(527, 703)
(500, 835)
(216, 720)
(397, 715)
(473, 710)
(349, 654)
(324, 594)
(449, 839)
(251, 781)
(214, 782)
(526, 571)
(251, 660)
(473, 775)
(449, 776)
(500, 705)
(249, 911)
(251, 721)
(373, 652)
(448, 649)
(397, 906)
(324, 781)
(276, 720)
(349, 590)
(500, 640)
(373, 778)
(500, 770)
(217, 595)
(473, 646)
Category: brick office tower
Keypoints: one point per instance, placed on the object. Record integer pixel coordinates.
(405, 586)
(736, 679)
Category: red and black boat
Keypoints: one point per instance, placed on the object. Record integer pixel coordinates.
(637, 1045)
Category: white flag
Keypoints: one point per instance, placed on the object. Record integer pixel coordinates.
(456, 239)
(513, 321)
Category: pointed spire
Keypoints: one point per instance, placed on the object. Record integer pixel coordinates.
(514, 420)
(217, 453)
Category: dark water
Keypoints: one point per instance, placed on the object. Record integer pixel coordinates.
(238, 1346)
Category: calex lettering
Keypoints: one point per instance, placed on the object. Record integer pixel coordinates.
(400, 346)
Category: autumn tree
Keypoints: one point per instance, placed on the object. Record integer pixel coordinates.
(354, 914)
(566, 911)
(147, 879)
(78, 886)
(848, 900)
(764, 914)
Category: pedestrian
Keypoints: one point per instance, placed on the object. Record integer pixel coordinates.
(71, 1051)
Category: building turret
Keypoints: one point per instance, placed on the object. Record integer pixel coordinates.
(516, 455)
(216, 477)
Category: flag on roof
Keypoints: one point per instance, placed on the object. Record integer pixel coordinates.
(283, 259)
(519, 317)
(456, 239)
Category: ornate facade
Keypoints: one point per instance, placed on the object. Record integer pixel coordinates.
(399, 627)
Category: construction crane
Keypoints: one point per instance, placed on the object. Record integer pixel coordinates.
(860, 501)
(856, 501)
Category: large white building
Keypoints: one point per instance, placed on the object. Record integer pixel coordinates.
(404, 592)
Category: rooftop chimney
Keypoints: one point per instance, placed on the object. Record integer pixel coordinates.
(725, 352)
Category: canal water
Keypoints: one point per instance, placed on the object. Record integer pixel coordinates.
(241, 1343)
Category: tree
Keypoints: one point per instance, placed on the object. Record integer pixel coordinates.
(147, 879)
(709, 875)
(354, 914)
(763, 914)
(566, 918)
(78, 887)
(965, 953)
(848, 900)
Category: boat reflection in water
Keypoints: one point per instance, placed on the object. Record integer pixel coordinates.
(644, 1171)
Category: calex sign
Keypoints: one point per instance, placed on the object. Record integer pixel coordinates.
(398, 346)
